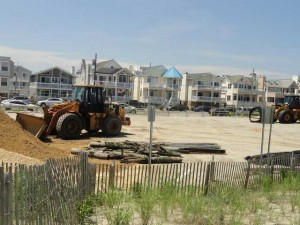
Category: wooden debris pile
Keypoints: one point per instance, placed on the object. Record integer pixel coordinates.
(138, 152)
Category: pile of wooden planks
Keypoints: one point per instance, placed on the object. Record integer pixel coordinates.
(138, 152)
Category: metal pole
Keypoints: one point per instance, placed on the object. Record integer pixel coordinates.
(270, 133)
(95, 67)
(212, 91)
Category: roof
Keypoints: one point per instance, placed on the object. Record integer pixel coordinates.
(285, 83)
(52, 68)
(205, 76)
(108, 67)
(172, 73)
(154, 70)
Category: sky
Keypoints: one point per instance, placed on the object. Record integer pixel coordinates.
(195, 36)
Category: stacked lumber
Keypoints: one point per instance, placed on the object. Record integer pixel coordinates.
(138, 152)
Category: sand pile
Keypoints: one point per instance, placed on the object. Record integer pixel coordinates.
(15, 139)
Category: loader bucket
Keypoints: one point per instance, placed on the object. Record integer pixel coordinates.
(33, 124)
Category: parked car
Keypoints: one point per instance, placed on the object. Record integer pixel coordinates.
(219, 112)
(201, 108)
(177, 108)
(22, 98)
(49, 102)
(128, 108)
(17, 105)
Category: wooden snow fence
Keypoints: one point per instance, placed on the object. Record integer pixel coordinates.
(49, 194)
(138, 152)
(44, 194)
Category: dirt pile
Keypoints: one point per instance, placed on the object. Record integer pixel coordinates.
(15, 139)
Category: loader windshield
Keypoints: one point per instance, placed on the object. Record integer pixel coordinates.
(78, 93)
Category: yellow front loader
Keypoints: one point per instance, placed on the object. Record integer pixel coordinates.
(87, 110)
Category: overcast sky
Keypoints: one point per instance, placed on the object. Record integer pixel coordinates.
(219, 36)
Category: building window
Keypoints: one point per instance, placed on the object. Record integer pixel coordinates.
(200, 94)
(64, 80)
(45, 79)
(200, 83)
(151, 93)
(101, 78)
(228, 97)
(229, 86)
(241, 86)
(24, 75)
(55, 79)
(234, 97)
(216, 84)
(122, 79)
(4, 66)
(270, 99)
(4, 82)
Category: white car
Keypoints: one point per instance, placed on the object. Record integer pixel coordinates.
(128, 108)
(17, 105)
(49, 102)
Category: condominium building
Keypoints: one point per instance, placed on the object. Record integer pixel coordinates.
(202, 89)
(241, 91)
(53, 82)
(6, 73)
(275, 90)
(158, 85)
(20, 82)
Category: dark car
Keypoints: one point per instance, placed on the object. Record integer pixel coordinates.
(201, 108)
(177, 108)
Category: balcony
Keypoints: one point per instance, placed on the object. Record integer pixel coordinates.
(171, 86)
(110, 84)
(20, 79)
(40, 85)
(152, 85)
(12, 87)
(207, 99)
(153, 99)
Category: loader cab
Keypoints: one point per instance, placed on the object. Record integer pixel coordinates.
(91, 98)
(292, 101)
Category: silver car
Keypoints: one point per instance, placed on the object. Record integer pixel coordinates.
(49, 102)
(17, 105)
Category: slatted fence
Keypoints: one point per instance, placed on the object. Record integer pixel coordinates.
(49, 193)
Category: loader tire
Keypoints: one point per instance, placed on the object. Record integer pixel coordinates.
(285, 116)
(69, 126)
(112, 126)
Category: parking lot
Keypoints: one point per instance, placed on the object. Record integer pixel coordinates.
(235, 134)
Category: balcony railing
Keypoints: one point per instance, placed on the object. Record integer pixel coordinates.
(207, 99)
(110, 84)
(152, 85)
(51, 86)
(208, 87)
(19, 87)
(162, 86)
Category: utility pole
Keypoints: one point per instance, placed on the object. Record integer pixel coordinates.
(16, 81)
(251, 93)
(95, 67)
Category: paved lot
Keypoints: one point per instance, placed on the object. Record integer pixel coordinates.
(236, 135)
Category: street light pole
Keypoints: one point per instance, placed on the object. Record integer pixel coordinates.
(95, 67)
(212, 91)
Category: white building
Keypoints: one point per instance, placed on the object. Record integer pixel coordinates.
(6, 73)
(157, 85)
(20, 82)
(117, 81)
(241, 91)
(202, 89)
(275, 90)
(53, 82)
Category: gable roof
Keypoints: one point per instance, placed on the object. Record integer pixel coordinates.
(52, 68)
(154, 70)
(284, 83)
(106, 67)
(205, 76)
(172, 73)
